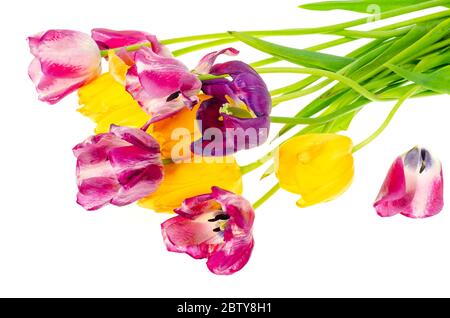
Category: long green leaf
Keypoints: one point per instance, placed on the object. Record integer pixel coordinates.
(297, 56)
(438, 81)
(432, 61)
(363, 6)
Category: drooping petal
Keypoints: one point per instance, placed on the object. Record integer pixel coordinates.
(206, 63)
(111, 39)
(231, 257)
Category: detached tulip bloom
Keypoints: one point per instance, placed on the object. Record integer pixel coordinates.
(413, 187)
(119, 167)
(64, 61)
(161, 85)
(188, 179)
(319, 167)
(216, 226)
(239, 109)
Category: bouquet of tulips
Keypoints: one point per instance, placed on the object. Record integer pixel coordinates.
(166, 134)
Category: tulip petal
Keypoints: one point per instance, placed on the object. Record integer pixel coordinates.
(191, 179)
(119, 167)
(206, 63)
(391, 199)
(231, 257)
(64, 61)
(197, 239)
(94, 193)
(161, 85)
(247, 90)
(111, 39)
(66, 53)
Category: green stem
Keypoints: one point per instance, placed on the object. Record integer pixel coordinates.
(266, 196)
(312, 71)
(202, 46)
(206, 77)
(130, 48)
(258, 163)
(324, 29)
(386, 121)
(299, 93)
(373, 34)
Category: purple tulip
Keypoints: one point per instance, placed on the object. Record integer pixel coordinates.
(237, 115)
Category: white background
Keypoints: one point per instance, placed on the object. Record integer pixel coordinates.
(49, 246)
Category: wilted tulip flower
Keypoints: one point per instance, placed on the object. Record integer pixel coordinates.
(319, 167)
(413, 186)
(118, 167)
(64, 60)
(237, 115)
(161, 85)
(216, 226)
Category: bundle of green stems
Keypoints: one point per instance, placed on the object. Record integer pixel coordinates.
(407, 59)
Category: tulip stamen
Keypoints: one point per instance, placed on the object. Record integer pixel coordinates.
(173, 96)
(220, 217)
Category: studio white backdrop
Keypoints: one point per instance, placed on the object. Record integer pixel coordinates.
(50, 246)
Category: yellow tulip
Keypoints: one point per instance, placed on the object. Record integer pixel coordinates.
(106, 101)
(319, 167)
(188, 179)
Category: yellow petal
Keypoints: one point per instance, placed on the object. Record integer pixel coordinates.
(106, 102)
(319, 167)
(117, 67)
(180, 129)
(186, 180)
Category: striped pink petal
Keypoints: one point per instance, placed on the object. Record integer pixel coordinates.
(111, 39)
(413, 186)
(207, 62)
(161, 85)
(64, 61)
(119, 168)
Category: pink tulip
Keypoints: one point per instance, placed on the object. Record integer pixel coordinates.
(118, 167)
(161, 85)
(216, 226)
(413, 186)
(63, 61)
